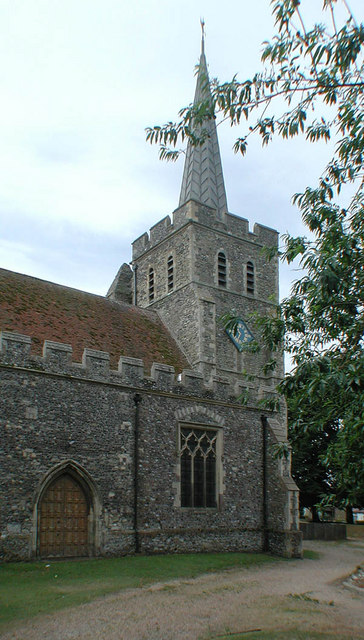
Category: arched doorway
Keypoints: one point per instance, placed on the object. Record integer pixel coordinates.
(63, 519)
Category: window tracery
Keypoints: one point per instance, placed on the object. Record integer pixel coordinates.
(198, 448)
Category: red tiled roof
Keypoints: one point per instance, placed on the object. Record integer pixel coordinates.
(47, 311)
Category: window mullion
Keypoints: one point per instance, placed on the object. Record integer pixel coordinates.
(204, 481)
(192, 480)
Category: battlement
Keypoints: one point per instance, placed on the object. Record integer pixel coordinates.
(15, 351)
(195, 211)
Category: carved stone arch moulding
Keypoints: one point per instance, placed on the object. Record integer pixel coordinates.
(71, 473)
(197, 413)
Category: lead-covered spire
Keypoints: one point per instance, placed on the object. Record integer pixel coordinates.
(203, 179)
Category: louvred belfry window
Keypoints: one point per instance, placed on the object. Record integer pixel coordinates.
(151, 284)
(250, 278)
(221, 269)
(170, 275)
(198, 467)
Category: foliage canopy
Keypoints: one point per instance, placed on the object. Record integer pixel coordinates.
(309, 70)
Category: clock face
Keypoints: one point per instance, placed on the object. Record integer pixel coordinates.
(241, 336)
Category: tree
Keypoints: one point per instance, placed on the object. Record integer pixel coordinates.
(312, 476)
(325, 410)
(315, 478)
(311, 70)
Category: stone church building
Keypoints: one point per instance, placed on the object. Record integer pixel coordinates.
(122, 427)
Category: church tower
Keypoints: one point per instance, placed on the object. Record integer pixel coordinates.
(205, 262)
(189, 464)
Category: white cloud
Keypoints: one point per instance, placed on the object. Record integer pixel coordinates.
(80, 82)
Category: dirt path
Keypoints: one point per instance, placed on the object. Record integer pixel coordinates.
(300, 594)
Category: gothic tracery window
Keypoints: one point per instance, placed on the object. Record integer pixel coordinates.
(221, 269)
(250, 278)
(198, 467)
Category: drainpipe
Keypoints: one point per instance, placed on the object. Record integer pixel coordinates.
(137, 400)
(265, 425)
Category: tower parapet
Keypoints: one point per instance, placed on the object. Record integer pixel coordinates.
(196, 212)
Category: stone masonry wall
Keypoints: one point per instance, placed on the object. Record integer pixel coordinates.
(195, 211)
(238, 251)
(184, 326)
(157, 260)
(55, 412)
(194, 240)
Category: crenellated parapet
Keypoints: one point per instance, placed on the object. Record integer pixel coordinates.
(200, 213)
(15, 347)
(157, 233)
(56, 358)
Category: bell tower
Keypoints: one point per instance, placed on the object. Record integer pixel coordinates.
(204, 261)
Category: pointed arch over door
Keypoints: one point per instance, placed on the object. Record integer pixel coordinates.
(66, 516)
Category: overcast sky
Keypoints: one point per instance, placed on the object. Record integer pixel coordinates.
(80, 81)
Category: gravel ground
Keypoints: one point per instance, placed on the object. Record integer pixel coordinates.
(299, 594)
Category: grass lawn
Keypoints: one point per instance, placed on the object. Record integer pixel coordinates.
(30, 588)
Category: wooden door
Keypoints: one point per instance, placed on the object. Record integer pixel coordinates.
(63, 521)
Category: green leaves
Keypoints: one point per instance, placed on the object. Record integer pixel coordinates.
(191, 128)
(304, 66)
(318, 131)
(280, 450)
(323, 318)
(294, 247)
(310, 69)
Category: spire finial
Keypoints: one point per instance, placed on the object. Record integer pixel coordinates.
(202, 21)
(203, 180)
